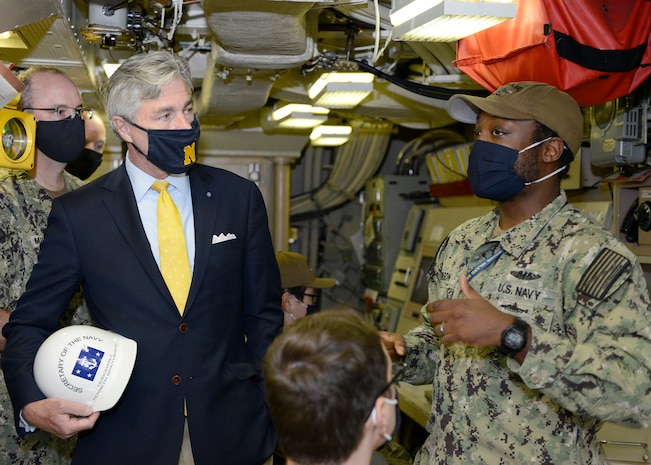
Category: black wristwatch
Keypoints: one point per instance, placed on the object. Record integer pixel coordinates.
(515, 338)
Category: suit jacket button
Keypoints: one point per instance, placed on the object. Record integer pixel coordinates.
(183, 327)
(176, 380)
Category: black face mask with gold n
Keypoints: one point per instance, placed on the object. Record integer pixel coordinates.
(172, 150)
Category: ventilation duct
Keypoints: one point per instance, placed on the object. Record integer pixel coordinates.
(254, 42)
(28, 12)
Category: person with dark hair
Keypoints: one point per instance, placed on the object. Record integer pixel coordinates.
(25, 203)
(174, 255)
(328, 384)
(537, 328)
(300, 286)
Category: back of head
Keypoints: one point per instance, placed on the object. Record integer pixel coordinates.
(322, 376)
(141, 77)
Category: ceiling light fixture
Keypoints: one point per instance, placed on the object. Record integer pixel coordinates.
(12, 39)
(340, 90)
(299, 116)
(325, 135)
(109, 68)
(446, 20)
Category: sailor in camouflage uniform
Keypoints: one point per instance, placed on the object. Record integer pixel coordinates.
(25, 203)
(537, 329)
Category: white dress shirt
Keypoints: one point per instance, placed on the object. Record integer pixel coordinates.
(147, 201)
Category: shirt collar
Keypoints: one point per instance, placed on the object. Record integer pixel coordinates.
(142, 181)
(517, 239)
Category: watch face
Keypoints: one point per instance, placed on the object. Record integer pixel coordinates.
(514, 340)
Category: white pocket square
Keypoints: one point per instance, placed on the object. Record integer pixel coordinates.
(223, 238)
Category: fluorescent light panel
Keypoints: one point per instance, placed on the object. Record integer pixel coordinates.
(299, 116)
(12, 39)
(109, 68)
(340, 90)
(446, 20)
(330, 135)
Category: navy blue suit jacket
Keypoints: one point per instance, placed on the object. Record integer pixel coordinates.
(210, 357)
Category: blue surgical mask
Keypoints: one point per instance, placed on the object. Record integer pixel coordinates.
(172, 150)
(491, 170)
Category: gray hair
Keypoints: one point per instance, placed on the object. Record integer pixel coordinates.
(141, 77)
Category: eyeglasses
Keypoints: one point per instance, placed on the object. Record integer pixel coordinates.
(397, 377)
(299, 293)
(395, 381)
(64, 112)
(315, 297)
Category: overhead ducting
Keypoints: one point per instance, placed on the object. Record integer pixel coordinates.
(244, 55)
(254, 42)
(47, 30)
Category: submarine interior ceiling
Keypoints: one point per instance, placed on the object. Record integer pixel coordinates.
(245, 56)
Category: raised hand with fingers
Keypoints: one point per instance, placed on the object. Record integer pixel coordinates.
(472, 320)
(394, 343)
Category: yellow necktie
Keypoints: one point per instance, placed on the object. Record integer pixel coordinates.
(174, 264)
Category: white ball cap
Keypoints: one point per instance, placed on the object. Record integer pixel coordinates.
(85, 364)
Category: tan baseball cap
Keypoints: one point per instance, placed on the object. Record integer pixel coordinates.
(525, 101)
(295, 272)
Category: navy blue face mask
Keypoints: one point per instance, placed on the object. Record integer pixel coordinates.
(61, 140)
(86, 164)
(172, 150)
(312, 309)
(491, 170)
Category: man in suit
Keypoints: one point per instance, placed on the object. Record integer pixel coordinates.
(195, 394)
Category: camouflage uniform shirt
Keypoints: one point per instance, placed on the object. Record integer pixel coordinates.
(585, 297)
(24, 210)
